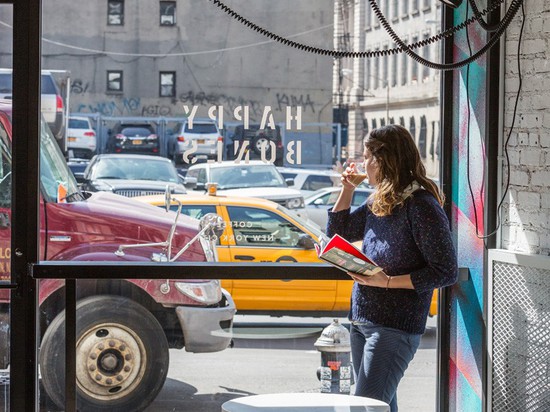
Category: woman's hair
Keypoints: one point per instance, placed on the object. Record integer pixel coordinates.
(399, 164)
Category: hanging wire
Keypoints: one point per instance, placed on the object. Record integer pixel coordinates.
(507, 185)
(403, 47)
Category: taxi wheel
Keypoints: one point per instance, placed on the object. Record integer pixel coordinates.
(121, 356)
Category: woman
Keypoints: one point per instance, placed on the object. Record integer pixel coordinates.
(406, 232)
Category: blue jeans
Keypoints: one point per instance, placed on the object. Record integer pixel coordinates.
(380, 356)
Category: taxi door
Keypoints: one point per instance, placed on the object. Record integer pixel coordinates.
(259, 235)
(222, 246)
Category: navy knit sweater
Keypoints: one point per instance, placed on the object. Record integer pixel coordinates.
(415, 239)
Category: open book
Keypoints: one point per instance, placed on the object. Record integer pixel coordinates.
(339, 252)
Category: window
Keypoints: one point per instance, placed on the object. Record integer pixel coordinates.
(315, 182)
(404, 69)
(415, 6)
(405, 8)
(414, 65)
(394, 70)
(359, 197)
(167, 84)
(412, 127)
(167, 13)
(395, 9)
(115, 12)
(427, 56)
(427, 4)
(374, 125)
(257, 227)
(382, 122)
(368, 18)
(114, 81)
(422, 137)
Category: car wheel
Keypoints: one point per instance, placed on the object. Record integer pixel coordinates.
(121, 356)
(257, 144)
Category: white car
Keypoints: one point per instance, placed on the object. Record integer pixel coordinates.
(51, 102)
(308, 181)
(249, 179)
(199, 140)
(318, 203)
(81, 138)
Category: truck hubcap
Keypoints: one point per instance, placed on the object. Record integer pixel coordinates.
(110, 361)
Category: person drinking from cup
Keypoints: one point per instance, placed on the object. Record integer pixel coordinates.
(405, 231)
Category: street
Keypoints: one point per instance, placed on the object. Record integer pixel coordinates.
(203, 382)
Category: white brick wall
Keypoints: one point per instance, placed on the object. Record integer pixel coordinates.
(525, 215)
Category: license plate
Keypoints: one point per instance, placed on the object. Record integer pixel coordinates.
(71, 139)
(200, 141)
(137, 141)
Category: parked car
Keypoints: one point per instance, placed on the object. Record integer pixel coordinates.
(51, 102)
(252, 179)
(256, 138)
(308, 181)
(259, 230)
(319, 202)
(198, 140)
(143, 317)
(133, 137)
(131, 175)
(81, 137)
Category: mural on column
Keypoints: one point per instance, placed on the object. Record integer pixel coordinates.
(466, 319)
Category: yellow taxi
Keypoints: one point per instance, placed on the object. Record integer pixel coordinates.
(259, 230)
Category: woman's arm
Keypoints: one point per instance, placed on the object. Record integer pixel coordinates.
(432, 234)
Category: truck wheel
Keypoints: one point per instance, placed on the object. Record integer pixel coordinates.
(121, 356)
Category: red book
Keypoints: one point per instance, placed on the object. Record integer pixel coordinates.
(342, 254)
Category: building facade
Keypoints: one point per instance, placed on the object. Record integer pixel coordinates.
(391, 88)
(150, 57)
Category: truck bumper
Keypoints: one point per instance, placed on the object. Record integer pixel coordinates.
(202, 329)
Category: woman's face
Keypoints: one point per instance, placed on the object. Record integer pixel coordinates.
(371, 167)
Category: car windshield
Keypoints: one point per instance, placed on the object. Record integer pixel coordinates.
(201, 128)
(136, 131)
(245, 176)
(53, 167)
(134, 169)
(78, 124)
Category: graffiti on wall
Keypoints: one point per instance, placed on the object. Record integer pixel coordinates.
(136, 106)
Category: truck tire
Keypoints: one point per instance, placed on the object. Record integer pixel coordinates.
(257, 143)
(121, 356)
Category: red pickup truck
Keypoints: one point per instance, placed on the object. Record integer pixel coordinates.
(124, 327)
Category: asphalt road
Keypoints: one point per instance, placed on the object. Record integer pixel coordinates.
(274, 355)
(255, 365)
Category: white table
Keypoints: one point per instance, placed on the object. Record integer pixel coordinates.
(302, 402)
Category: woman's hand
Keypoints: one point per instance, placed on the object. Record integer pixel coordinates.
(346, 184)
(378, 280)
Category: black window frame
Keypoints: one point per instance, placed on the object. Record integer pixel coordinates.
(111, 3)
(166, 5)
(108, 89)
(173, 86)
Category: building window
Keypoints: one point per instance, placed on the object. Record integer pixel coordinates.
(394, 70)
(382, 122)
(167, 13)
(412, 127)
(114, 81)
(422, 137)
(374, 126)
(395, 9)
(414, 67)
(415, 6)
(427, 56)
(368, 18)
(115, 12)
(427, 4)
(402, 121)
(404, 69)
(405, 8)
(167, 84)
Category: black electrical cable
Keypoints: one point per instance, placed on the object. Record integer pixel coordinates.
(512, 10)
(507, 186)
(480, 20)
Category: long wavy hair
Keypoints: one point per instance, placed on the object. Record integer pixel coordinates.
(399, 164)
